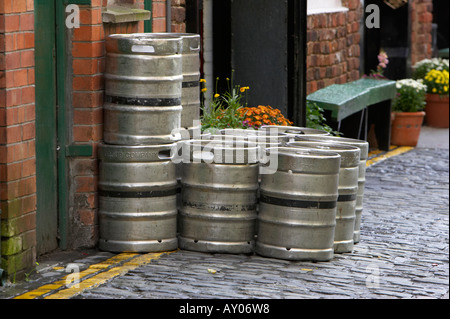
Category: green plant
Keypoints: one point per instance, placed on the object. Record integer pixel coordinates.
(316, 120)
(410, 96)
(421, 68)
(222, 109)
(27, 275)
(437, 82)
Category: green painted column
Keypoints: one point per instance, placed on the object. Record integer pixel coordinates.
(148, 23)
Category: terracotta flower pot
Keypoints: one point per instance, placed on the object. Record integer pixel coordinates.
(437, 111)
(405, 129)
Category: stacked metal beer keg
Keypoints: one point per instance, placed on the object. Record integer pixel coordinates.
(283, 192)
(142, 120)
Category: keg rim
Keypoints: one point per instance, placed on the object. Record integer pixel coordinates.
(179, 34)
(323, 146)
(350, 154)
(221, 152)
(140, 36)
(224, 144)
(362, 144)
(298, 152)
(291, 130)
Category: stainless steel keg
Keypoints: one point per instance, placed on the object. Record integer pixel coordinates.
(347, 190)
(297, 208)
(219, 184)
(190, 96)
(364, 147)
(143, 87)
(137, 198)
(292, 131)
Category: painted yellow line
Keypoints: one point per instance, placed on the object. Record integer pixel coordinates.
(39, 292)
(391, 153)
(103, 277)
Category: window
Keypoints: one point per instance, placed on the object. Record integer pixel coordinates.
(325, 6)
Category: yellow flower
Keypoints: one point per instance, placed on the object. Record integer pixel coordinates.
(204, 90)
(434, 90)
(202, 81)
(216, 95)
(242, 89)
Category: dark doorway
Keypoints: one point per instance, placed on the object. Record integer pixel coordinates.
(264, 42)
(393, 36)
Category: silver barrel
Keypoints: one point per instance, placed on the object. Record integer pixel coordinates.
(219, 184)
(297, 209)
(190, 96)
(137, 198)
(364, 147)
(347, 190)
(143, 83)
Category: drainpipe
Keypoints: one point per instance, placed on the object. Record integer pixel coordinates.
(168, 15)
(2, 272)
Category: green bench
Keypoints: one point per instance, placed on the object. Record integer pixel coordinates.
(352, 107)
(443, 53)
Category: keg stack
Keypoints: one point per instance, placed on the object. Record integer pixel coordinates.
(142, 120)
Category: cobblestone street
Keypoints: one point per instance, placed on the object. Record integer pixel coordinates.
(403, 252)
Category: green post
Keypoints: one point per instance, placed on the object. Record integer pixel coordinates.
(61, 68)
(148, 23)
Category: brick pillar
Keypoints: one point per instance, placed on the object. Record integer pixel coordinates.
(421, 25)
(333, 47)
(178, 16)
(17, 137)
(87, 90)
(86, 87)
(159, 15)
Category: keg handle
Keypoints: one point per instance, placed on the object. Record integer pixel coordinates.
(197, 48)
(165, 155)
(143, 48)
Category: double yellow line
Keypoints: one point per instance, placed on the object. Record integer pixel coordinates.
(377, 156)
(92, 277)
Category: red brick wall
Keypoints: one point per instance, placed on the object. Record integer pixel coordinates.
(421, 20)
(333, 47)
(17, 135)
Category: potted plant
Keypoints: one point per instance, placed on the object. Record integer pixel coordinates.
(434, 72)
(407, 112)
(437, 107)
(421, 68)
